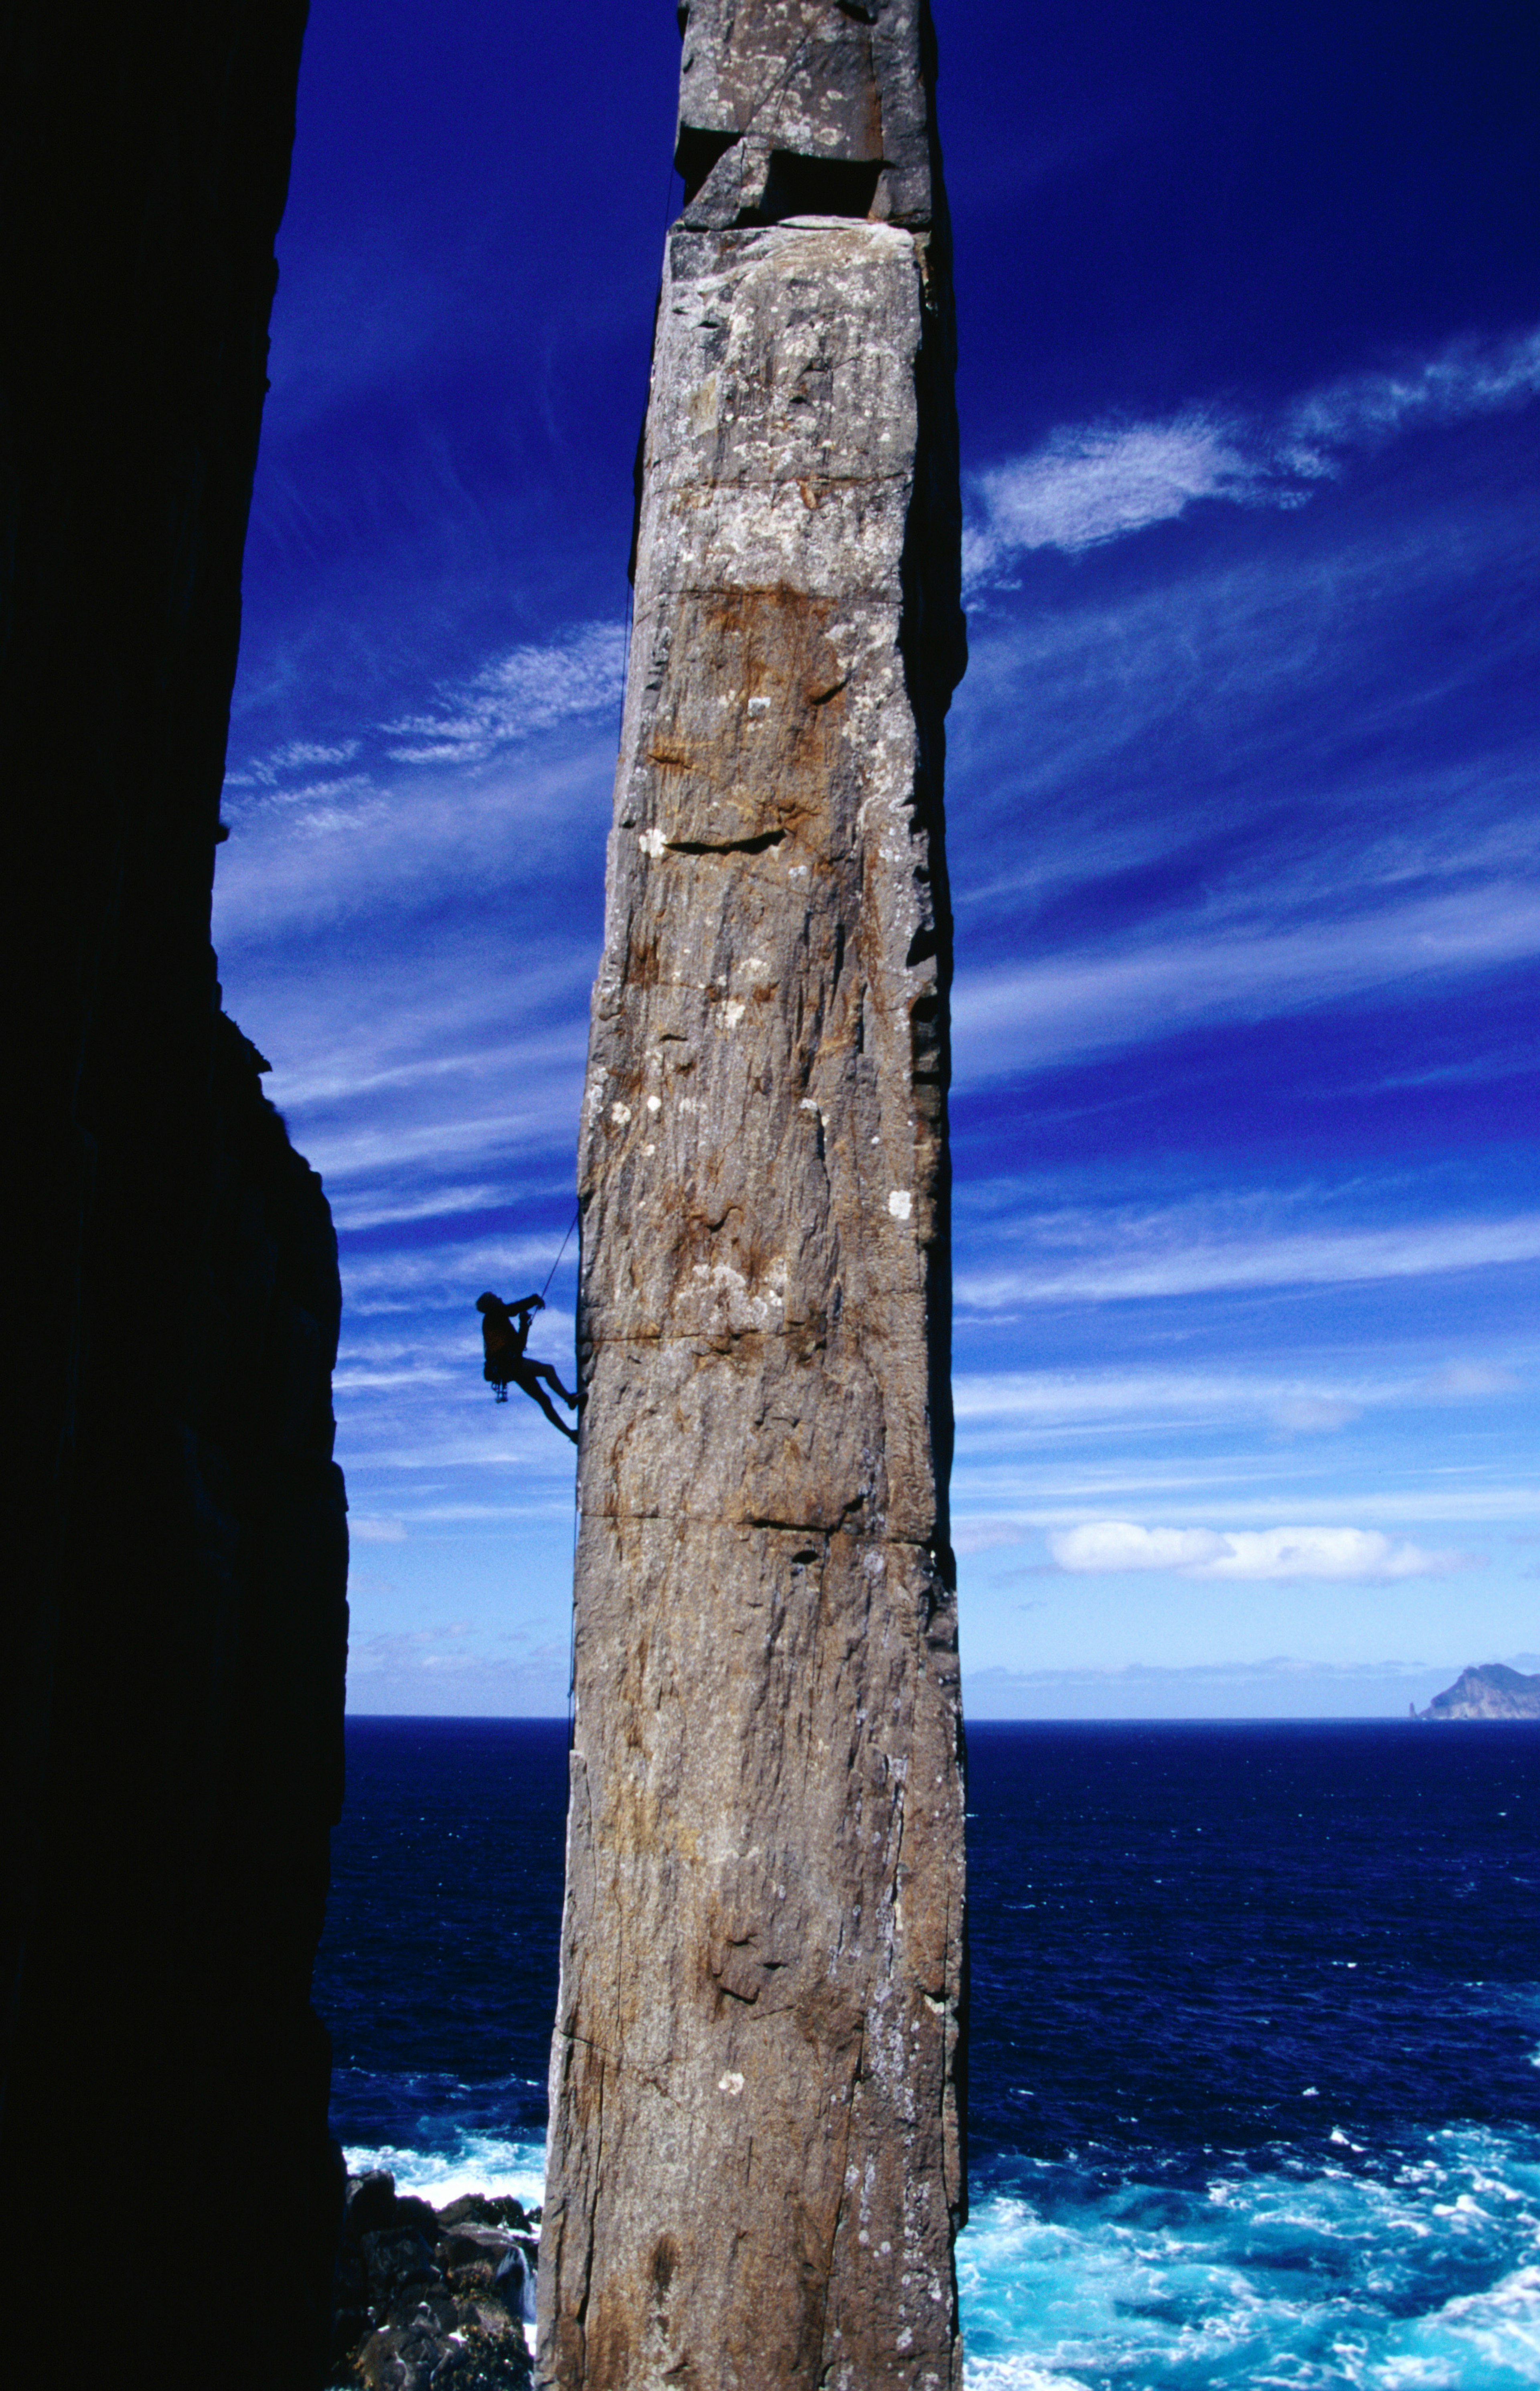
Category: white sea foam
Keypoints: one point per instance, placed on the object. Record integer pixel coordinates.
(1420, 2276)
(472, 2162)
(1017, 2374)
(1488, 2338)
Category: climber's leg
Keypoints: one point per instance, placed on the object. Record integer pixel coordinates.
(544, 1370)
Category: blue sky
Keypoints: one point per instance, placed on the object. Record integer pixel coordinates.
(1243, 829)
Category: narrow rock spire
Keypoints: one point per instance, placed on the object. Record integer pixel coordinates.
(756, 2171)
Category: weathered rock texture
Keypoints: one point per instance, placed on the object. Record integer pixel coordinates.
(431, 2297)
(756, 2171)
(171, 1643)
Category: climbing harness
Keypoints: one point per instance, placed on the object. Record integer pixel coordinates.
(500, 1385)
(505, 1332)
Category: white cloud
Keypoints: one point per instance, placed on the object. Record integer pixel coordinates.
(1362, 410)
(1315, 1414)
(1232, 745)
(346, 1380)
(1252, 1555)
(1154, 1258)
(1098, 482)
(376, 1531)
(1473, 1378)
(425, 1076)
(429, 843)
(530, 688)
(1060, 1399)
(1047, 1013)
(1118, 1544)
(331, 803)
(1053, 1398)
(1046, 1498)
(1093, 482)
(434, 1200)
(295, 754)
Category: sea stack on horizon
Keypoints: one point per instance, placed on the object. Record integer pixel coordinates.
(756, 2171)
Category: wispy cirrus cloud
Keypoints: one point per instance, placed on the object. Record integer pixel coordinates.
(291, 785)
(366, 1531)
(1165, 1255)
(530, 688)
(448, 1277)
(1093, 482)
(1042, 1500)
(1272, 742)
(1473, 1378)
(451, 825)
(1107, 1546)
(1075, 1400)
(1042, 1013)
(270, 772)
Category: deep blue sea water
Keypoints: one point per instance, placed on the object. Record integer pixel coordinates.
(1255, 2078)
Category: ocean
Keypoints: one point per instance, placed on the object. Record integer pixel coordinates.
(1254, 2085)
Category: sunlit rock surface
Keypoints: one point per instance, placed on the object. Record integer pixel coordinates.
(755, 2169)
(1493, 1692)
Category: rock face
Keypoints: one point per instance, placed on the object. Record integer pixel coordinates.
(174, 1635)
(1492, 1692)
(428, 2297)
(756, 2172)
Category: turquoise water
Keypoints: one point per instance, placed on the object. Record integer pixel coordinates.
(1255, 2092)
(1422, 2275)
(1423, 2272)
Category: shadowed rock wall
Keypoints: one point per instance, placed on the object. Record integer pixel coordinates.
(174, 1638)
(756, 2171)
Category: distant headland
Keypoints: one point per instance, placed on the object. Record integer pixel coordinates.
(1490, 1692)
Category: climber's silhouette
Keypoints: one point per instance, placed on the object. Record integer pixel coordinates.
(504, 1333)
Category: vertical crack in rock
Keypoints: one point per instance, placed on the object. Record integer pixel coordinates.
(762, 1949)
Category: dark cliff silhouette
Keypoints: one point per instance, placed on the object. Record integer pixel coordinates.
(174, 1638)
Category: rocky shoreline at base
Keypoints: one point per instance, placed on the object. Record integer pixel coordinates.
(436, 2296)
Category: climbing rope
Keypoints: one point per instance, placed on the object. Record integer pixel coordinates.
(561, 1250)
(576, 1518)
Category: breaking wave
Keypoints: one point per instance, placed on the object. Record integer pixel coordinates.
(1419, 2272)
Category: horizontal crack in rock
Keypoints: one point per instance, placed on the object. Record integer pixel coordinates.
(755, 846)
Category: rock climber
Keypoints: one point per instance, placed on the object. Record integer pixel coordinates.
(504, 1334)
